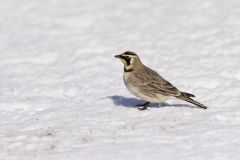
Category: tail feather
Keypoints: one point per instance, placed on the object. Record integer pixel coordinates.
(186, 97)
(185, 94)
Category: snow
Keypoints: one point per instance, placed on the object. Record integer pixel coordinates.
(61, 90)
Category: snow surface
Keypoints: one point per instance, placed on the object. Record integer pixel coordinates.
(61, 91)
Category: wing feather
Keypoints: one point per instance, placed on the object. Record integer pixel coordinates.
(150, 81)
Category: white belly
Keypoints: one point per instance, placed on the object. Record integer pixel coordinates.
(136, 91)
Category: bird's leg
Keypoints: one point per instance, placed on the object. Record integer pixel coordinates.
(143, 106)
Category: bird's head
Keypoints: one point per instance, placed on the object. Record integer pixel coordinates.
(130, 60)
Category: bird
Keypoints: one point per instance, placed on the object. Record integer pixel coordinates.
(148, 85)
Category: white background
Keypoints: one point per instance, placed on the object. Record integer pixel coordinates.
(61, 91)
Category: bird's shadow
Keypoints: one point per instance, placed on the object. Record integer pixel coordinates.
(132, 102)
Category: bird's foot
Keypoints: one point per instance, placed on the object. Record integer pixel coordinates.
(143, 107)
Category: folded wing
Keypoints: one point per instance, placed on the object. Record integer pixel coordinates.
(151, 81)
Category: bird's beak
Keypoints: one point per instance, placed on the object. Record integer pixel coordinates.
(117, 56)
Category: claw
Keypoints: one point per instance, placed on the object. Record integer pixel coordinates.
(143, 107)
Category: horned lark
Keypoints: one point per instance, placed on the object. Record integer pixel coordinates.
(147, 84)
